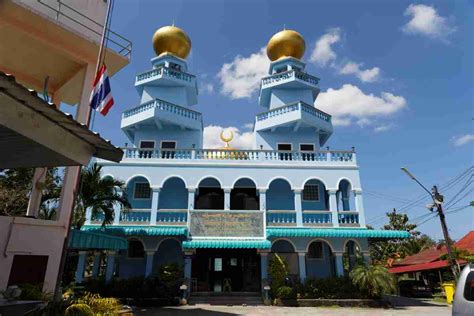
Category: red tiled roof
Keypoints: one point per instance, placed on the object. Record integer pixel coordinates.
(423, 266)
(467, 242)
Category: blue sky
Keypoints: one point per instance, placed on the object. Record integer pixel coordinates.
(397, 76)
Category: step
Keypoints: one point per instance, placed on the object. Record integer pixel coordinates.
(232, 298)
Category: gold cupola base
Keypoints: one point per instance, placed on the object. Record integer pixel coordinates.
(171, 40)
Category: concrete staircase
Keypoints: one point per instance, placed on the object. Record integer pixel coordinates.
(226, 298)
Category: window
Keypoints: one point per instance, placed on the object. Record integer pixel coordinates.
(175, 66)
(315, 250)
(135, 249)
(168, 145)
(311, 192)
(167, 149)
(286, 147)
(285, 155)
(148, 145)
(142, 190)
(469, 287)
(281, 69)
(306, 147)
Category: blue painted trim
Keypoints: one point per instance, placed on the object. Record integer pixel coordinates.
(138, 230)
(80, 239)
(347, 233)
(228, 243)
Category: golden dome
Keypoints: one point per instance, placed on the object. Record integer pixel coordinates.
(286, 43)
(172, 40)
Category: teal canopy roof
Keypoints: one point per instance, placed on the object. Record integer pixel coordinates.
(90, 240)
(135, 230)
(228, 243)
(340, 232)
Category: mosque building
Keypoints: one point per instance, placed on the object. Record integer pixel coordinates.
(223, 213)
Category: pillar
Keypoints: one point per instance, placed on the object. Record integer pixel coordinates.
(96, 265)
(81, 265)
(339, 264)
(359, 207)
(155, 199)
(34, 202)
(88, 216)
(302, 265)
(149, 263)
(263, 265)
(263, 199)
(110, 269)
(117, 210)
(333, 207)
(227, 198)
(188, 260)
(299, 212)
(366, 256)
(191, 198)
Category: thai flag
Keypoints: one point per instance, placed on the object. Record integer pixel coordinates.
(101, 98)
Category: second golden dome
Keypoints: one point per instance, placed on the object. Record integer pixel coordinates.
(172, 40)
(286, 43)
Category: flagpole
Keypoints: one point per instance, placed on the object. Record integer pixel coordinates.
(101, 58)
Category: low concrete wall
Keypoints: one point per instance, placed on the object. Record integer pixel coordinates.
(333, 302)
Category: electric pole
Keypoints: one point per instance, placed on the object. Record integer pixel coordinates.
(438, 199)
(438, 203)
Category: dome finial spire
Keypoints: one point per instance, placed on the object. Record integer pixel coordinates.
(286, 43)
(171, 40)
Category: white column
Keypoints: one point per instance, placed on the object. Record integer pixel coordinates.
(155, 199)
(227, 198)
(263, 265)
(299, 212)
(109, 271)
(188, 262)
(359, 206)
(366, 256)
(117, 210)
(96, 265)
(149, 263)
(81, 265)
(89, 215)
(34, 202)
(191, 197)
(339, 264)
(333, 207)
(302, 265)
(263, 199)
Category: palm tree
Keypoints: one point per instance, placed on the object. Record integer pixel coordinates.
(100, 195)
(375, 280)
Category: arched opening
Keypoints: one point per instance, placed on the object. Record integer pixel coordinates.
(280, 196)
(352, 256)
(169, 252)
(209, 195)
(320, 260)
(286, 250)
(131, 262)
(173, 195)
(135, 249)
(244, 195)
(314, 196)
(344, 196)
(139, 193)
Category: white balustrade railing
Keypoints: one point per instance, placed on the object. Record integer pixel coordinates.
(297, 106)
(285, 75)
(164, 106)
(165, 71)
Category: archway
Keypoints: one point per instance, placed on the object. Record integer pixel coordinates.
(286, 251)
(131, 262)
(209, 195)
(352, 255)
(173, 195)
(320, 260)
(139, 192)
(243, 195)
(169, 252)
(344, 196)
(280, 196)
(314, 196)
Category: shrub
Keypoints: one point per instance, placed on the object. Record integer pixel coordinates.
(329, 288)
(100, 305)
(278, 270)
(79, 309)
(374, 280)
(285, 292)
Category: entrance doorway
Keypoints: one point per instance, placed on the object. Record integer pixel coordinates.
(226, 270)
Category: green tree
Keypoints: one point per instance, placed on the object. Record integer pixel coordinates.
(383, 250)
(278, 270)
(100, 194)
(374, 280)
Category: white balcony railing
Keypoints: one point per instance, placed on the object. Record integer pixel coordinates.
(164, 106)
(297, 106)
(290, 74)
(165, 72)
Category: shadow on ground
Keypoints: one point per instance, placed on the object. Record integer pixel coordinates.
(399, 302)
(171, 311)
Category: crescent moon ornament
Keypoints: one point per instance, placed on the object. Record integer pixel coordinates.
(228, 138)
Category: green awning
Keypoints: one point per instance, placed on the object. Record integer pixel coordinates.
(89, 240)
(138, 230)
(228, 243)
(340, 232)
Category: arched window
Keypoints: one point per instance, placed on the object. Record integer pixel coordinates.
(135, 249)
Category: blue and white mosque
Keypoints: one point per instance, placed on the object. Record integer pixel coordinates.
(223, 213)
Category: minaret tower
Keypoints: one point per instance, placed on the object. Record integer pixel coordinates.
(288, 94)
(167, 92)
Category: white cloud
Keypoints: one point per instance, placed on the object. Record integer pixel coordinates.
(383, 128)
(367, 75)
(426, 21)
(212, 137)
(241, 78)
(323, 53)
(349, 105)
(207, 88)
(463, 140)
(248, 126)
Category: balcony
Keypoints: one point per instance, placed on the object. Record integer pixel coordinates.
(167, 73)
(250, 157)
(348, 219)
(287, 76)
(317, 218)
(162, 112)
(281, 218)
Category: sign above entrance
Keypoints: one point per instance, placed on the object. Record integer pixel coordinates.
(226, 224)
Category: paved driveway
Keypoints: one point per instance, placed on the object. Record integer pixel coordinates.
(403, 306)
